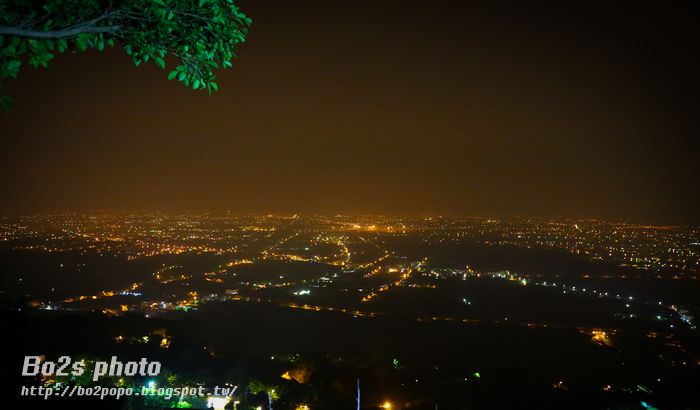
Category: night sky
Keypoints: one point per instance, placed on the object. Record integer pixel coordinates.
(453, 108)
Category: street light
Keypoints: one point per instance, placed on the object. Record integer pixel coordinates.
(387, 405)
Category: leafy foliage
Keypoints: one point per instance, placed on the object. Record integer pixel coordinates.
(258, 387)
(198, 36)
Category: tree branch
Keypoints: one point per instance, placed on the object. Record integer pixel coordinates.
(19, 32)
(84, 27)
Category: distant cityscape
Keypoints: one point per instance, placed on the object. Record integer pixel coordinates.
(481, 273)
(663, 249)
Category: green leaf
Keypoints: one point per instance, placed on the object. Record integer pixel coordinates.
(33, 61)
(159, 62)
(45, 58)
(81, 44)
(5, 102)
(14, 65)
(61, 45)
(172, 75)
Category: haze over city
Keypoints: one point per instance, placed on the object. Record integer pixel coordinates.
(548, 109)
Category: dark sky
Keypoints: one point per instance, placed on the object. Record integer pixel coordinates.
(447, 107)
